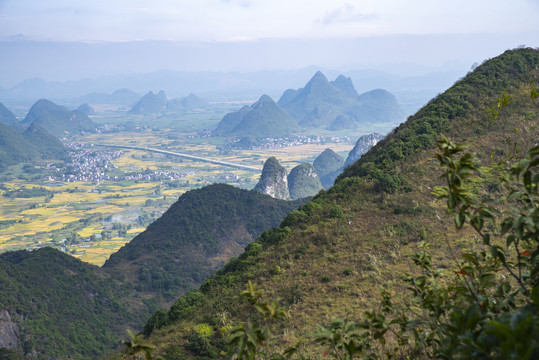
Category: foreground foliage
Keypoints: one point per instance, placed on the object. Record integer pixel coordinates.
(486, 309)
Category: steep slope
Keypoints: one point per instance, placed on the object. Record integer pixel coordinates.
(363, 144)
(328, 165)
(60, 305)
(6, 116)
(273, 180)
(195, 237)
(58, 120)
(303, 181)
(47, 145)
(262, 119)
(329, 258)
(150, 104)
(33, 144)
(14, 148)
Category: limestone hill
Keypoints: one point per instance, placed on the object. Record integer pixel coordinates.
(262, 119)
(273, 180)
(150, 104)
(57, 119)
(303, 181)
(328, 166)
(336, 105)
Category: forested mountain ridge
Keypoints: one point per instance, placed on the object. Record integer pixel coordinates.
(194, 238)
(329, 258)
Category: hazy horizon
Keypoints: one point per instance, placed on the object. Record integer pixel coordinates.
(61, 40)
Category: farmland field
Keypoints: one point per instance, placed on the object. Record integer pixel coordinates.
(91, 218)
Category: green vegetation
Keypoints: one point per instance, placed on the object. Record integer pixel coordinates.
(6, 116)
(303, 181)
(62, 305)
(329, 258)
(327, 165)
(34, 144)
(194, 237)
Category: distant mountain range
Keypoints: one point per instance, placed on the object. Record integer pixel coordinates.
(337, 105)
(124, 97)
(412, 91)
(150, 104)
(159, 103)
(333, 105)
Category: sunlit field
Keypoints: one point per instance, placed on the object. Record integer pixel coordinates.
(92, 220)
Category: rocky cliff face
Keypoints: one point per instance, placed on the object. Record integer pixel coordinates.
(363, 145)
(273, 180)
(9, 332)
(303, 181)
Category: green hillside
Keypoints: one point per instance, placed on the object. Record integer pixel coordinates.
(33, 144)
(61, 305)
(14, 148)
(329, 258)
(262, 119)
(194, 238)
(48, 146)
(327, 165)
(58, 120)
(303, 181)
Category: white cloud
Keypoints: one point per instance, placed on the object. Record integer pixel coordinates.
(346, 13)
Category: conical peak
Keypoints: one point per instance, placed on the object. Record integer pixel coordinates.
(265, 98)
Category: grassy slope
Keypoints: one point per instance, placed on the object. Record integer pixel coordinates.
(329, 259)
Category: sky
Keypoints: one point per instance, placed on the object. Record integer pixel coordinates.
(247, 35)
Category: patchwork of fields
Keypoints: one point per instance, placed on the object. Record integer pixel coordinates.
(92, 220)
